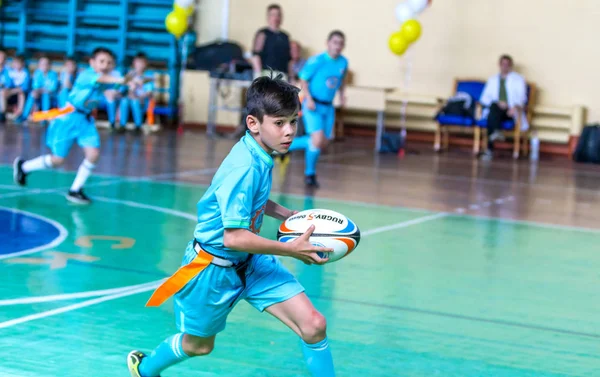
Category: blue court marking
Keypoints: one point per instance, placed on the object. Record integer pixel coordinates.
(24, 233)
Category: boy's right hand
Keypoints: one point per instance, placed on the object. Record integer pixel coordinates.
(310, 103)
(305, 251)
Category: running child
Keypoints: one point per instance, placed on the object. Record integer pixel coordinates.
(74, 122)
(227, 261)
(320, 78)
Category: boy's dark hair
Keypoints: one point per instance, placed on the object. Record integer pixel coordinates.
(272, 96)
(140, 55)
(273, 6)
(336, 33)
(506, 57)
(102, 50)
(71, 59)
(44, 56)
(20, 58)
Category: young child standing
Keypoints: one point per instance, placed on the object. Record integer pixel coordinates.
(227, 261)
(320, 78)
(75, 123)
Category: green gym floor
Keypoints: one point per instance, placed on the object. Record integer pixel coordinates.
(427, 293)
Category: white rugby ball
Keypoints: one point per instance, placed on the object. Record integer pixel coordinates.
(332, 230)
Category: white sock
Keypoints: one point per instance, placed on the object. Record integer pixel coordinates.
(38, 163)
(83, 173)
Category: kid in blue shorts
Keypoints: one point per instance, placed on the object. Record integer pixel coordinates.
(227, 261)
(74, 122)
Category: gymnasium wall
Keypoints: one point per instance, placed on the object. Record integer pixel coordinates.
(552, 41)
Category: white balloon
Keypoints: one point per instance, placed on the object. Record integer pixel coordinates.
(417, 6)
(404, 12)
(184, 3)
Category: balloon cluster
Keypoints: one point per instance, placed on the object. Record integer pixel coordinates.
(410, 29)
(176, 22)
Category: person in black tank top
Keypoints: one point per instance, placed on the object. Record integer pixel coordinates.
(271, 46)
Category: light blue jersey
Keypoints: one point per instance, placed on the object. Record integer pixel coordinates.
(324, 76)
(78, 125)
(20, 79)
(47, 81)
(5, 80)
(236, 198)
(87, 93)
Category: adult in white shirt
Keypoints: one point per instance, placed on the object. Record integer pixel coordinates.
(503, 98)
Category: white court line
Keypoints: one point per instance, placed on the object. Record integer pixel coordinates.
(62, 234)
(64, 309)
(147, 206)
(72, 296)
(147, 178)
(404, 224)
(9, 187)
(128, 291)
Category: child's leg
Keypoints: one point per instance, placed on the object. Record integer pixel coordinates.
(171, 351)
(311, 120)
(124, 111)
(299, 314)
(20, 103)
(274, 289)
(46, 101)
(3, 96)
(22, 168)
(86, 168)
(138, 112)
(31, 100)
(111, 105)
(313, 152)
(201, 309)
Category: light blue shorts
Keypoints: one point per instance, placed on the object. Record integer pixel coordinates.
(322, 118)
(64, 131)
(202, 306)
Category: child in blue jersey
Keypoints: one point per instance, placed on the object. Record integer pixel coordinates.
(44, 88)
(75, 123)
(227, 261)
(320, 78)
(111, 98)
(5, 85)
(139, 95)
(67, 77)
(21, 83)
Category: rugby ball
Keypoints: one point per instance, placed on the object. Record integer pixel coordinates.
(332, 230)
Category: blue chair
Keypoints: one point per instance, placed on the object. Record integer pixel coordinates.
(446, 123)
(512, 128)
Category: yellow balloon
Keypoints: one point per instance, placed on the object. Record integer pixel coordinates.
(411, 30)
(184, 11)
(176, 24)
(397, 43)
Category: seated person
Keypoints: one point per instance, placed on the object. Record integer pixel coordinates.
(111, 99)
(5, 84)
(296, 63)
(21, 80)
(503, 98)
(68, 75)
(141, 90)
(44, 88)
